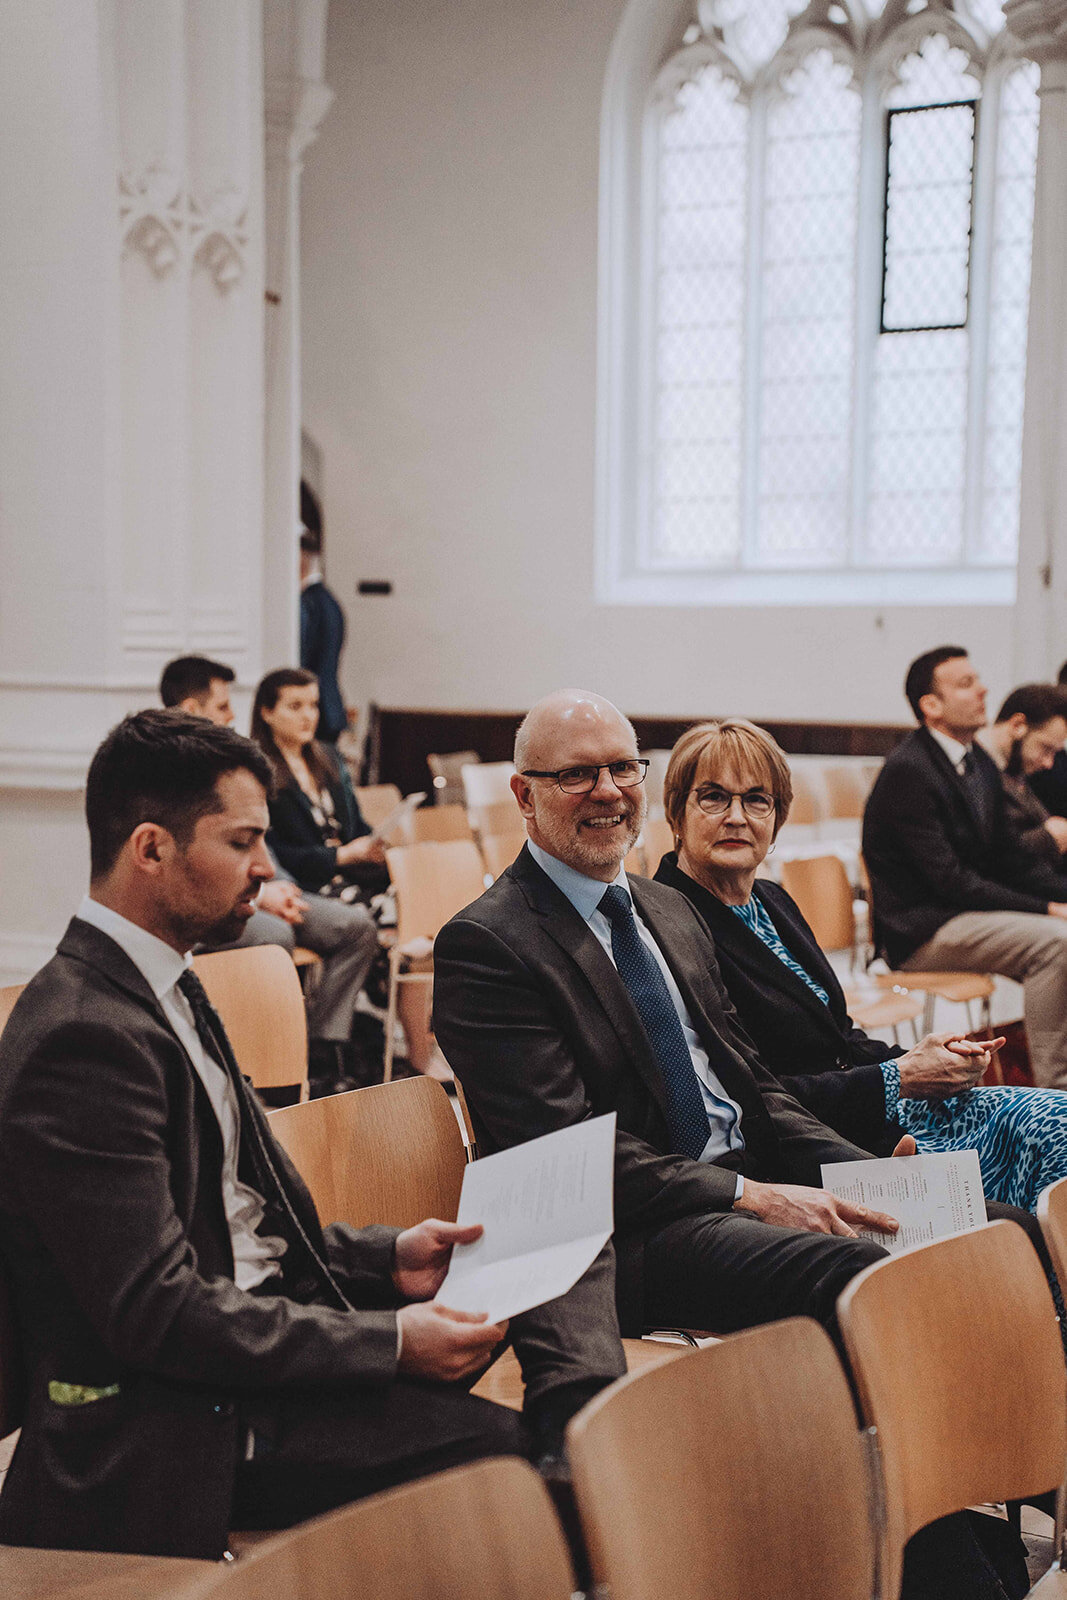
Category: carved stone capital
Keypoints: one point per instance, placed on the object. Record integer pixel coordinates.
(1040, 26)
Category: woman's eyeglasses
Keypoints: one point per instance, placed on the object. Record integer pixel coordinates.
(716, 802)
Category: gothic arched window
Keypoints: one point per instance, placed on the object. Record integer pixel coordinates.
(819, 315)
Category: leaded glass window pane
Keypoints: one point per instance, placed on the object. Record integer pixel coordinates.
(806, 357)
(929, 173)
(703, 179)
(781, 429)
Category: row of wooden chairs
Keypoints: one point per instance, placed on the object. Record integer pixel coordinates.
(954, 1428)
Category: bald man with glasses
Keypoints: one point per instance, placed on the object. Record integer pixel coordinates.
(569, 990)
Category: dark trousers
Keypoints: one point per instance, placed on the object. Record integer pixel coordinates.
(724, 1271)
(317, 1451)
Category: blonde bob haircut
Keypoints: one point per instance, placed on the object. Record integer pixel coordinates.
(706, 750)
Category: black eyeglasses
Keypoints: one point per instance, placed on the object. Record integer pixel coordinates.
(716, 802)
(581, 780)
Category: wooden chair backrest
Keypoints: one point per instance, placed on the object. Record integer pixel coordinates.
(820, 887)
(257, 994)
(656, 840)
(487, 1530)
(486, 783)
(956, 1353)
(500, 850)
(432, 883)
(1052, 1215)
(392, 1153)
(376, 800)
(675, 1476)
(658, 762)
(808, 797)
(846, 790)
(498, 819)
(438, 824)
(8, 998)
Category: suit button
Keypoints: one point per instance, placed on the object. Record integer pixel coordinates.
(225, 1409)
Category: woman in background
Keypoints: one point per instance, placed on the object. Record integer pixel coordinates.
(318, 832)
(726, 794)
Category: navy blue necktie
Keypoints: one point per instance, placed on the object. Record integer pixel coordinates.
(687, 1118)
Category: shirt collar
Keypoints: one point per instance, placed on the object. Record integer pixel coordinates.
(584, 894)
(158, 963)
(952, 747)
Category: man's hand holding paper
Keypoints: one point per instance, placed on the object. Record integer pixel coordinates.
(546, 1210)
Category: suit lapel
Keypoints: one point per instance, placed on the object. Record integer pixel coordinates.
(947, 771)
(574, 937)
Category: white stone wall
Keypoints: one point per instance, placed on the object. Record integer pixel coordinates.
(148, 479)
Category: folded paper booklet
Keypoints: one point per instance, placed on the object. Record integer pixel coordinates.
(546, 1208)
(931, 1196)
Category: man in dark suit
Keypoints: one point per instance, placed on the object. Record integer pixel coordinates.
(554, 1002)
(197, 1347)
(322, 637)
(1051, 786)
(952, 887)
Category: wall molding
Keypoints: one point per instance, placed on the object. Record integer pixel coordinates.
(28, 768)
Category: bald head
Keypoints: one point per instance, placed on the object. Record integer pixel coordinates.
(560, 716)
(590, 829)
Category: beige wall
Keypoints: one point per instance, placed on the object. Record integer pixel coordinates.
(449, 293)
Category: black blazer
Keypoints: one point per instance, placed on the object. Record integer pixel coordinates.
(294, 835)
(816, 1050)
(541, 1031)
(115, 1241)
(322, 637)
(930, 856)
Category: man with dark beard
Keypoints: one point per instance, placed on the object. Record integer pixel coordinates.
(1027, 736)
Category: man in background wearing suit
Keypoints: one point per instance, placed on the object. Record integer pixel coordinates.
(197, 1347)
(322, 636)
(569, 990)
(952, 886)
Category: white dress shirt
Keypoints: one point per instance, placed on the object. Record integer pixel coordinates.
(952, 748)
(255, 1258)
(585, 894)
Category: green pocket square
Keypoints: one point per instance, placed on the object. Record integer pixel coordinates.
(79, 1394)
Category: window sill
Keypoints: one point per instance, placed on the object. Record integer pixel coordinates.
(931, 586)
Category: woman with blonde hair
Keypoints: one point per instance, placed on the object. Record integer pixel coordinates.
(726, 794)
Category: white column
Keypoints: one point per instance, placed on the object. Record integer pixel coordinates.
(131, 395)
(296, 101)
(1040, 643)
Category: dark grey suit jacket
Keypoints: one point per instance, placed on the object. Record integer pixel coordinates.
(539, 1028)
(930, 855)
(115, 1241)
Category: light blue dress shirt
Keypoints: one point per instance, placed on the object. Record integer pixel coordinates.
(585, 894)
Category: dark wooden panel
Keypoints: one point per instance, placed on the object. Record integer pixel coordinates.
(402, 737)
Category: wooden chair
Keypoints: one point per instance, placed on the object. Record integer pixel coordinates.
(376, 801)
(391, 1153)
(957, 1358)
(394, 1153)
(498, 819)
(737, 1472)
(656, 840)
(500, 850)
(257, 994)
(432, 883)
(820, 887)
(8, 998)
(487, 783)
(438, 824)
(447, 774)
(487, 1530)
(1052, 1215)
(846, 789)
